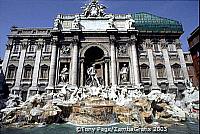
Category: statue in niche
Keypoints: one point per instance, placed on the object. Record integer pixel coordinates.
(65, 50)
(122, 50)
(92, 80)
(64, 74)
(124, 73)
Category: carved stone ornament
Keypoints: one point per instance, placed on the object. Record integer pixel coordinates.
(122, 50)
(65, 50)
(94, 9)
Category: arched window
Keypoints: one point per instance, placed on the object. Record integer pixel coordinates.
(161, 71)
(11, 71)
(144, 71)
(177, 72)
(44, 72)
(28, 72)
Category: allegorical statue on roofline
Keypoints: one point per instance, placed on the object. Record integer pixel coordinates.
(94, 9)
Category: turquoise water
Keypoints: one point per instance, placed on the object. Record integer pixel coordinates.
(187, 128)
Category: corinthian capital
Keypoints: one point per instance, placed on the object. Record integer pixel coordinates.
(24, 43)
(163, 43)
(178, 44)
(40, 44)
(112, 39)
(132, 40)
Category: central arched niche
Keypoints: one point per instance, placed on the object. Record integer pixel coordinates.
(94, 55)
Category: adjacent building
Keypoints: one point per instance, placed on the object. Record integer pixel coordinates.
(136, 51)
(194, 45)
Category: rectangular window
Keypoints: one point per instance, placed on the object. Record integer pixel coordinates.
(161, 72)
(31, 48)
(177, 72)
(28, 73)
(16, 48)
(145, 72)
(156, 47)
(11, 73)
(44, 73)
(47, 48)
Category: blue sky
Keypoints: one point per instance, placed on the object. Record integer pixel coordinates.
(40, 13)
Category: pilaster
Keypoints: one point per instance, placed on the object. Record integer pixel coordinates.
(152, 65)
(7, 56)
(134, 60)
(74, 73)
(167, 64)
(52, 72)
(182, 59)
(106, 73)
(24, 44)
(34, 86)
(113, 61)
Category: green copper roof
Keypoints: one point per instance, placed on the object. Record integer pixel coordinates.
(153, 23)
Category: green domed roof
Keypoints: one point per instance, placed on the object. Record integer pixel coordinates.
(146, 22)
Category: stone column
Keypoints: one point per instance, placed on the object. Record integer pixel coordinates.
(167, 64)
(82, 73)
(152, 65)
(20, 66)
(34, 86)
(7, 56)
(182, 59)
(74, 73)
(135, 69)
(52, 72)
(113, 62)
(106, 73)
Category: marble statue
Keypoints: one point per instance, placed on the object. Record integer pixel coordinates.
(76, 22)
(124, 73)
(92, 80)
(111, 22)
(56, 23)
(131, 22)
(64, 74)
(94, 9)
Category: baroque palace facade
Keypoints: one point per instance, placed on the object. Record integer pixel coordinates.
(96, 49)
